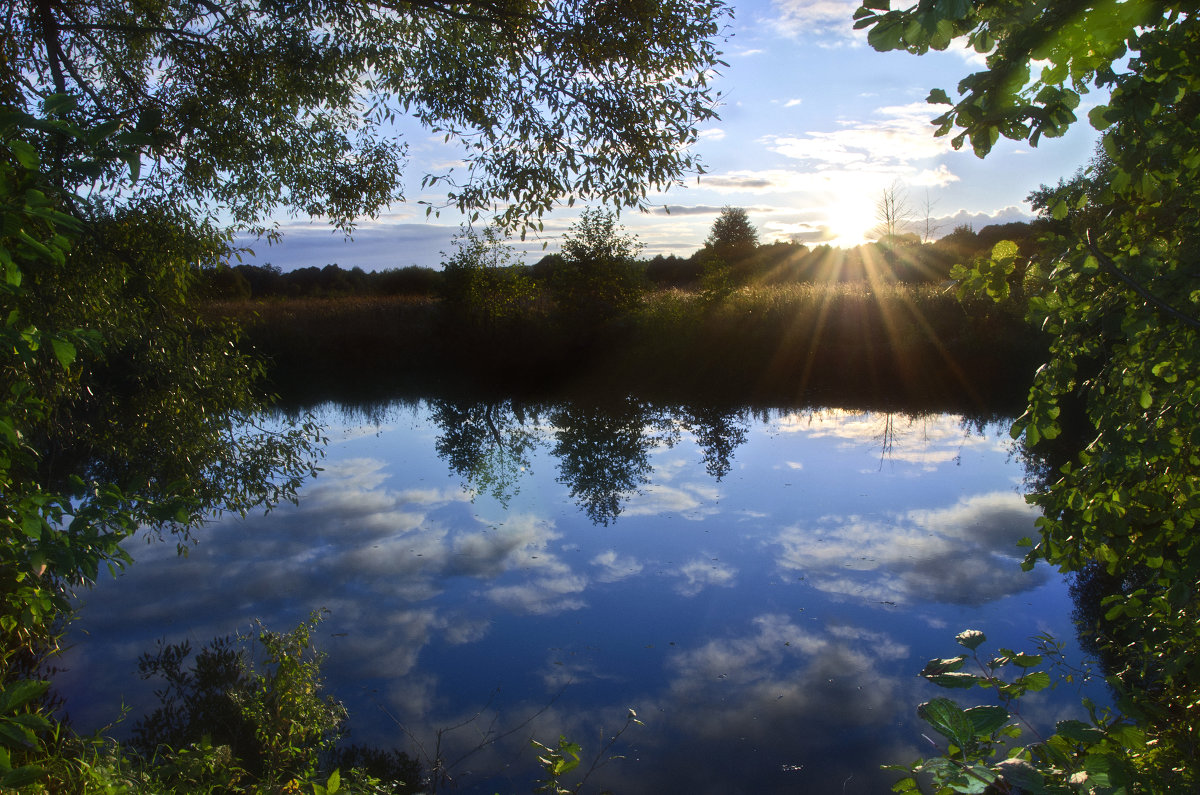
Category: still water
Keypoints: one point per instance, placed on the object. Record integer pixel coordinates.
(761, 586)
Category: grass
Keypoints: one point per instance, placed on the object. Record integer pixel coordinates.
(798, 342)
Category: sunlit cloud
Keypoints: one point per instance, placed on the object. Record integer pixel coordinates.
(900, 134)
(712, 134)
(816, 17)
(542, 596)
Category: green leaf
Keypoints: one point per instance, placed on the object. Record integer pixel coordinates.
(1023, 775)
(18, 694)
(1079, 732)
(987, 719)
(1039, 680)
(961, 681)
(25, 776)
(971, 638)
(64, 351)
(25, 153)
(949, 720)
(1059, 211)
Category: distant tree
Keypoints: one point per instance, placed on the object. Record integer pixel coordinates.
(893, 213)
(483, 281)
(599, 278)
(733, 237)
(929, 227)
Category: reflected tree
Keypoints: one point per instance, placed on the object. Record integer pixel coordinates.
(718, 432)
(604, 456)
(487, 444)
(603, 452)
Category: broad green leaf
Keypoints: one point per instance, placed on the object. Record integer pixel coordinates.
(949, 720)
(1022, 774)
(18, 694)
(1078, 731)
(1039, 680)
(64, 351)
(987, 719)
(25, 153)
(970, 638)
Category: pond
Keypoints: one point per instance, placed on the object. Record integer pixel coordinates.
(760, 585)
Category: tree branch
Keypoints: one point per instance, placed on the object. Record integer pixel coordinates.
(1137, 287)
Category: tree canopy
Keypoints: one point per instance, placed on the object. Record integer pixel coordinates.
(733, 236)
(254, 107)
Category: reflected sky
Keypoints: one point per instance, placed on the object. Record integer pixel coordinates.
(762, 587)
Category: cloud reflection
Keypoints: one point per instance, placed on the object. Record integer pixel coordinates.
(965, 554)
(701, 573)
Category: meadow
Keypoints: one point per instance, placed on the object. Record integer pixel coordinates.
(879, 343)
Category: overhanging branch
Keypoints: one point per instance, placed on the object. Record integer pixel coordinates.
(1138, 287)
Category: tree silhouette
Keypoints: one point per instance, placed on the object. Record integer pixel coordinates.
(733, 238)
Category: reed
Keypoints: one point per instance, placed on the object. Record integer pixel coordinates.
(789, 340)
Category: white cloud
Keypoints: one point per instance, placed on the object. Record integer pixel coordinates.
(900, 134)
(816, 17)
(712, 134)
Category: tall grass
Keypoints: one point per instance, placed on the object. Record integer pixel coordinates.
(792, 340)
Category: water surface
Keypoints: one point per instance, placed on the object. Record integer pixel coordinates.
(760, 586)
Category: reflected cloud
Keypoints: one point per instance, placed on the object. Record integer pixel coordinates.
(691, 501)
(614, 567)
(753, 700)
(702, 573)
(923, 441)
(965, 554)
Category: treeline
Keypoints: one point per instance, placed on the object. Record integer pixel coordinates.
(903, 258)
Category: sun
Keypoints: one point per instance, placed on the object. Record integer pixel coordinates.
(849, 224)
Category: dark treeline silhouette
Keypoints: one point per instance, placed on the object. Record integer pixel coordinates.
(771, 263)
(245, 281)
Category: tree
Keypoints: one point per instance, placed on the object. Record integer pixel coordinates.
(733, 237)
(598, 279)
(254, 107)
(484, 282)
(730, 244)
(1119, 295)
(893, 214)
(929, 227)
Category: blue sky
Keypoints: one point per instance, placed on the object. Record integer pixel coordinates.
(814, 126)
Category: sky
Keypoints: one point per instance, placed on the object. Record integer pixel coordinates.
(814, 126)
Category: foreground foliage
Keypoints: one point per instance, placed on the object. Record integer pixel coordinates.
(1118, 292)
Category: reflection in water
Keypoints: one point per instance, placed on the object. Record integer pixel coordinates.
(603, 452)
(763, 602)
